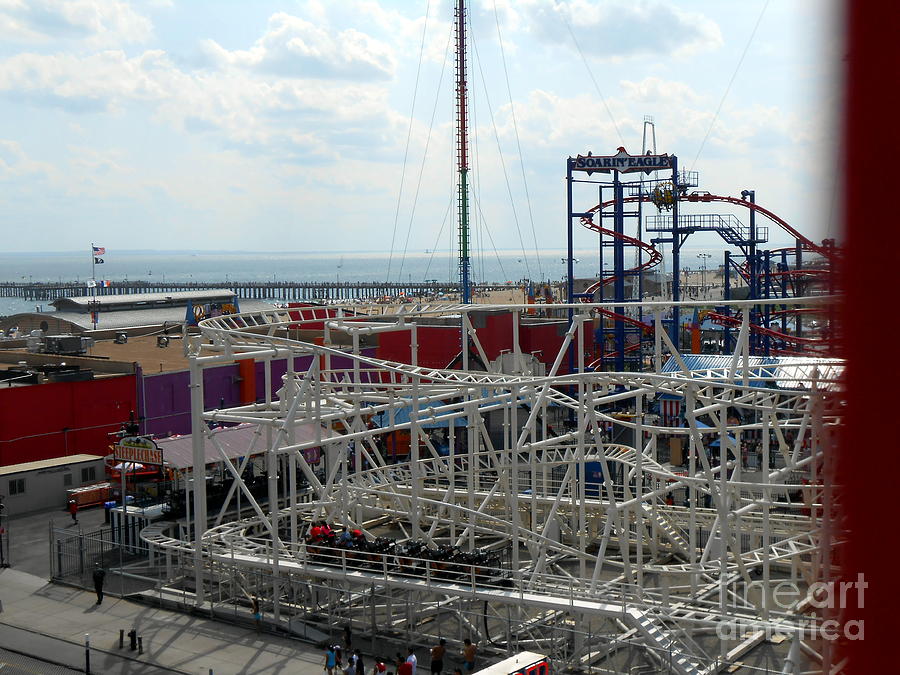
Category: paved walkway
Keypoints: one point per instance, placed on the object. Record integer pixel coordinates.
(49, 621)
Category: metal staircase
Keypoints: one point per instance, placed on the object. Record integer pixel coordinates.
(668, 528)
(729, 227)
(677, 653)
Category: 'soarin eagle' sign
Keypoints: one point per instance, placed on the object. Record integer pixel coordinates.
(621, 162)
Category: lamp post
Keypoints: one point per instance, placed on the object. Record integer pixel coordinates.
(575, 261)
(703, 257)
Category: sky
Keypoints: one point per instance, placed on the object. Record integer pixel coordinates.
(328, 125)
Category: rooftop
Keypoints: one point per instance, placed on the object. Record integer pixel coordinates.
(142, 301)
(232, 442)
(121, 312)
(47, 464)
(143, 350)
(786, 372)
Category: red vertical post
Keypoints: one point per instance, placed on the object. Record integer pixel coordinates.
(247, 373)
(868, 442)
(462, 148)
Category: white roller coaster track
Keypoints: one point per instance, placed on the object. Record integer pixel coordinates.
(664, 573)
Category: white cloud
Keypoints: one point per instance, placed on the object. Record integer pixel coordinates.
(89, 160)
(551, 125)
(294, 47)
(98, 22)
(15, 163)
(285, 117)
(277, 127)
(654, 89)
(101, 81)
(616, 29)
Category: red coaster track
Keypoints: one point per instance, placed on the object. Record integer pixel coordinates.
(655, 257)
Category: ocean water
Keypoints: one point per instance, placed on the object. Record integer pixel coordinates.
(283, 266)
(199, 266)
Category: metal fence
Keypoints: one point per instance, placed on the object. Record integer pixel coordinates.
(74, 555)
(386, 620)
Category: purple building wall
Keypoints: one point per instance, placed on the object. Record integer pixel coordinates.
(165, 398)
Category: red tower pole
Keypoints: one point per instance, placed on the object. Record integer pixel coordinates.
(462, 150)
(868, 440)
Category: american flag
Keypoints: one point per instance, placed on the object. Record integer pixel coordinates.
(99, 250)
(670, 411)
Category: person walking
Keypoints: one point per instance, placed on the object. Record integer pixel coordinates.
(330, 660)
(99, 577)
(411, 659)
(437, 657)
(360, 667)
(73, 511)
(257, 613)
(469, 652)
(350, 666)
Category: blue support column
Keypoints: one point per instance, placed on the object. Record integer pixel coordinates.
(570, 286)
(619, 270)
(767, 272)
(752, 268)
(798, 265)
(726, 332)
(570, 260)
(675, 330)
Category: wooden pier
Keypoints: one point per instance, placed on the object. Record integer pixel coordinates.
(284, 291)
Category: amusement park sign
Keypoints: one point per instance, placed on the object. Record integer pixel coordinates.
(621, 162)
(136, 449)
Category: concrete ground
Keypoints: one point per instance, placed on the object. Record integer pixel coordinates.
(46, 623)
(50, 622)
(13, 663)
(43, 625)
(29, 536)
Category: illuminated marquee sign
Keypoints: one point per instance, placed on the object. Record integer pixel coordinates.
(139, 450)
(621, 162)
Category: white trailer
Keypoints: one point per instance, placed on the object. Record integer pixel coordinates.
(523, 663)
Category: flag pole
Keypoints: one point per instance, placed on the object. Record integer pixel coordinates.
(93, 288)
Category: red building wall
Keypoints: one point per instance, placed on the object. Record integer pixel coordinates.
(494, 331)
(438, 345)
(63, 418)
(547, 338)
